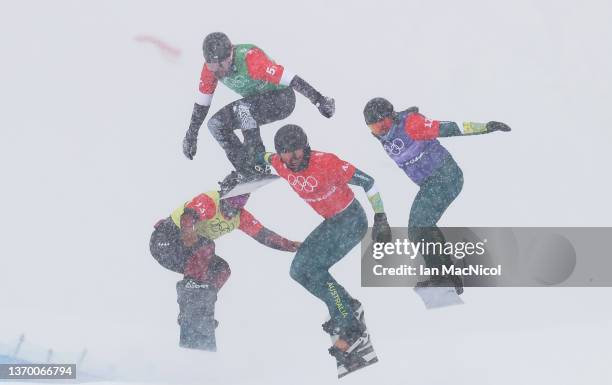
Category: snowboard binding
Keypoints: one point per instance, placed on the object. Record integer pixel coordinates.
(360, 352)
(347, 363)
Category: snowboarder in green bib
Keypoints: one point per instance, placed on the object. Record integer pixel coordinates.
(410, 139)
(267, 91)
(322, 180)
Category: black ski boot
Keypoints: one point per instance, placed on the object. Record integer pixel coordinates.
(331, 329)
(197, 314)
(253, 170)
(360, 352)
(458, 282)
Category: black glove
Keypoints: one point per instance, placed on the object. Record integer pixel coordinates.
(381, 231)
(497, 126)
(326, 106)
(190, 143)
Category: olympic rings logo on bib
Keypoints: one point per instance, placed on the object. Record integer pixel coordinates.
(300, 183)
(395, 147)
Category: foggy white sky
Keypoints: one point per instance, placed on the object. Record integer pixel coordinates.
(90, 147)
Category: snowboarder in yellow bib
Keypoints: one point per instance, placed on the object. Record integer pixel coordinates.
(184, 243)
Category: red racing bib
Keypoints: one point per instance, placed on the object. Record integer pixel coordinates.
(323, 184)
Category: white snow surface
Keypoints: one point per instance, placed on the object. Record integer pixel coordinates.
(91, 129)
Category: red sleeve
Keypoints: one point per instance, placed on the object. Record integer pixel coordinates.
(418, 127)
(248, 223)
(203, 205)
(275, 161)
(208, 81)
(260, 67)
(341, 170)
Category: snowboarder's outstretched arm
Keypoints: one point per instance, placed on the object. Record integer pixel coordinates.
(263, 235)
(190, 142)
(418, 127)
(470, 128)
(381, 231)
(271, 239)
(325, 105)
(206, 89)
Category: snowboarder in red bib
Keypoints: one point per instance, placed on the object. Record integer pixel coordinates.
(184, 243)
(322, 180)
(411, 141)
(267, 91)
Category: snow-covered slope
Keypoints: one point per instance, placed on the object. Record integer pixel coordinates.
(91, 130)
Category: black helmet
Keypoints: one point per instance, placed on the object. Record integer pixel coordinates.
(228, 183)
(377, 109)
(217, 47)
(290, 138)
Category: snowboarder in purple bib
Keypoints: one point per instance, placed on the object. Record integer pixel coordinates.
(410, 140)
(267, 91)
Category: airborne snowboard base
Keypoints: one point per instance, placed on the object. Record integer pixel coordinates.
(250, 185)
(202, 337)
(437, 297)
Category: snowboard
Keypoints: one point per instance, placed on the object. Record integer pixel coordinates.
(437, 297)
(196, 317)
(358, 359)
(433, 297)
(440, 291)
(202, 338)
(249, 185)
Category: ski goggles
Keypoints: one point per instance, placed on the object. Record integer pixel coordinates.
(238, 201)
(220, 65)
